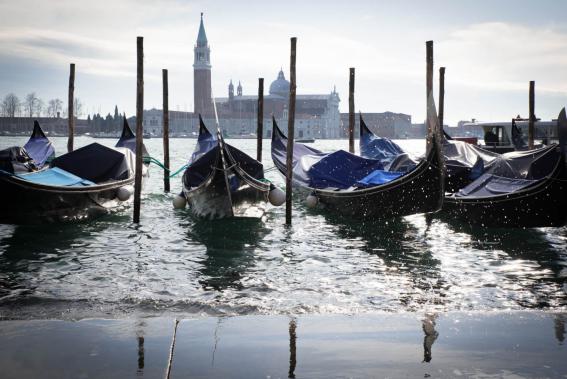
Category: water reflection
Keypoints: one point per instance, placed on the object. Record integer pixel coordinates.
(292, 348)
(559, 323)
(428, 326)
(140, 327)
(230, 250)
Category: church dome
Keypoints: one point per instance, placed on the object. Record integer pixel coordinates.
(280, 86)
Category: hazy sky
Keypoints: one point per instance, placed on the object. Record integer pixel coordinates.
(491, 49)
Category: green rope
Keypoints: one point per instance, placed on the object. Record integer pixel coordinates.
(149, 160)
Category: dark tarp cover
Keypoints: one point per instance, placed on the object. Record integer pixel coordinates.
(461, 157)
(15, 159)
(372, 146)
(513, 171)
(39, 147)
(128, 140)
(313, 168)
(206, 155)
(205, 142)
(96, 163)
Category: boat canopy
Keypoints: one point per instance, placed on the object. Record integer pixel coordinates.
(513, 171)
(97, 163)
(39, 147)
(340, 169)
(372, 146)
(206, 158)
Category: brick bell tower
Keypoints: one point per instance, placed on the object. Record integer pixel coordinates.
(202, 75)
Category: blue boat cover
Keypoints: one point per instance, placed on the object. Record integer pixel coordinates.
(39, 148)
(205, 158)
(128, 139)
(315, 169)
(55, 177)
(378, 177)
(205, 142)
(372, 146)
(512, 172)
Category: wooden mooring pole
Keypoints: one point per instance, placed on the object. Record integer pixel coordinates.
(70, 113)
(351, 111)
(441, 112)
(290, 132)
(260, 129)
(165, 115)
(139, 128)
(428, 81)
(531, 127)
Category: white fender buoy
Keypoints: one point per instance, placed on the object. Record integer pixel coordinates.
(276, 196)
(124, 193)
(311, 201)
(179, 202)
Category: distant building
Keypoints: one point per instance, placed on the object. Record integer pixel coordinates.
(386, 124)
(54, 126)
(316, 116)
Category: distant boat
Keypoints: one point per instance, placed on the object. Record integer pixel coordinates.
(305, 140)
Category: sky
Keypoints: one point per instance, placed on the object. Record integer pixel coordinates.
(491, 50)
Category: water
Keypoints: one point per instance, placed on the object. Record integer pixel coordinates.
(172, 264)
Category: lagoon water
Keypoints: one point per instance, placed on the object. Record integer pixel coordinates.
(172, 264)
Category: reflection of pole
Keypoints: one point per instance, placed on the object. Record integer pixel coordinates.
(140, 354)
(428, 326)
(292, 357)
(560, 329)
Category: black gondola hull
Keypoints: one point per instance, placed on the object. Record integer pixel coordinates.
(543, 205)
(228, 191)
(28, 203)
(419, 191)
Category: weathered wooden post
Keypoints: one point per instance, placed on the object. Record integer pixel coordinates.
(139, 129)
(292, 349)
(260, 129)
(531, 128)
(165, 131)
(290, 133)
(351, 111)
(428, 82)
(441, 112)
(70, 113)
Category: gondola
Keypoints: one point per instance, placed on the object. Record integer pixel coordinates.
(86, 182)
(464, 162)
(520, 189)
(223, 182)
(362, 188)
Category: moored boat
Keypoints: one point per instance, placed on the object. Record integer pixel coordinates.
(364, 188)
(222, 181)
(86, 182)
(520, 189)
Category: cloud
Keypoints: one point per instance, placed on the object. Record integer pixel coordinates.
(505, 56)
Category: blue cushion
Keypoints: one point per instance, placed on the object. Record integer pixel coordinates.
(55, 177)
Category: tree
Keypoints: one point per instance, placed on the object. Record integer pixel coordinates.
(10, 105)
(31, 104)
(54, 106)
